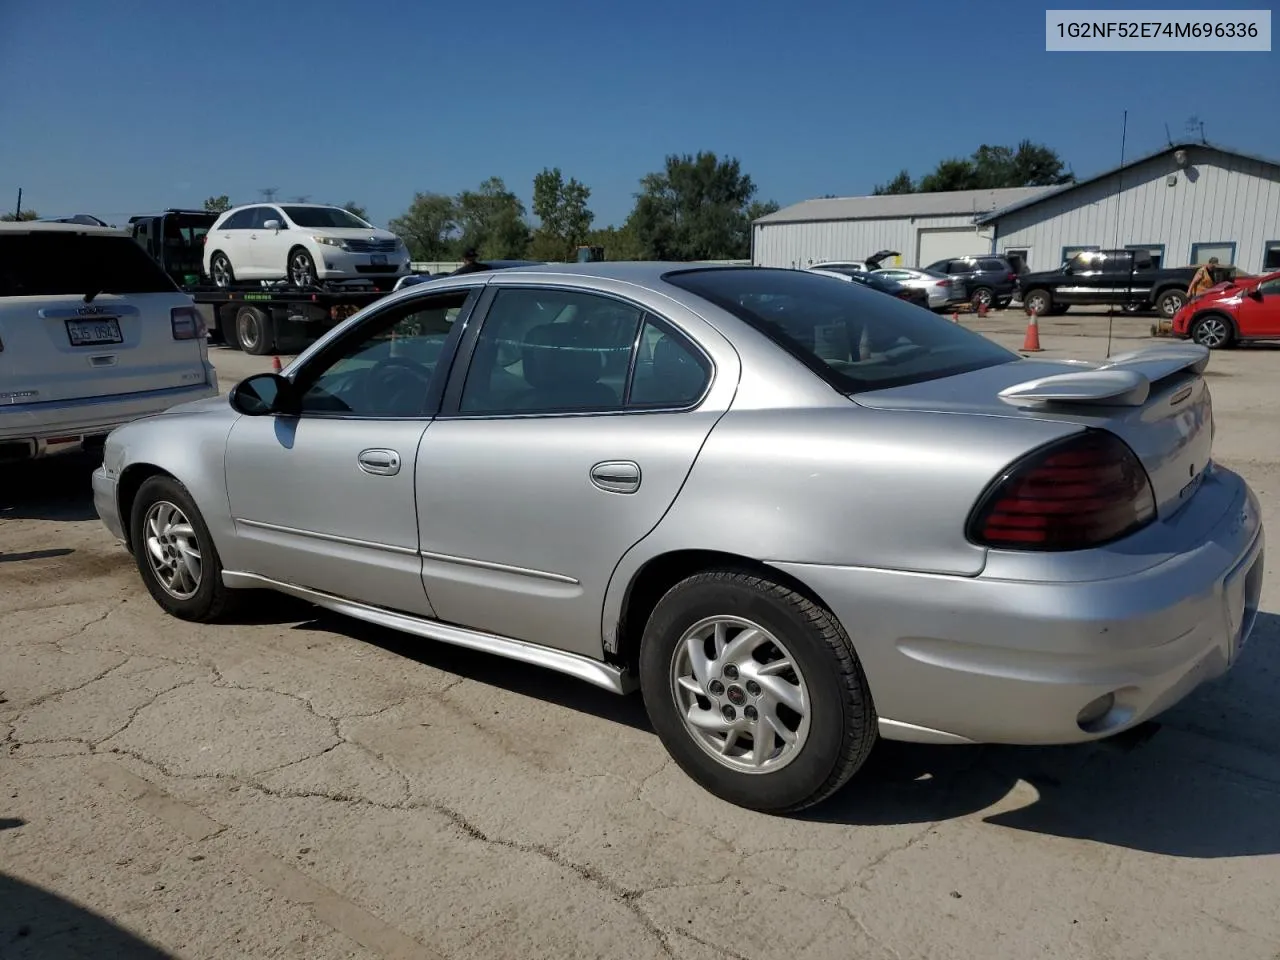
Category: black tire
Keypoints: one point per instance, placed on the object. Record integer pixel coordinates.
(255, 333)
(220, 270)
(1216, 331)
(981, 295)
(1039, 302)
(301, 268)
(211, 599)
(1170, 302)
(842, 726)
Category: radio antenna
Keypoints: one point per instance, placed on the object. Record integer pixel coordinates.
(1111, 312)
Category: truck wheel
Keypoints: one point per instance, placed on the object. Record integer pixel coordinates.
(302, 269)
(254, 331)
(1214, 331)
(1038, 302)
(1170, 302)
(220, 271)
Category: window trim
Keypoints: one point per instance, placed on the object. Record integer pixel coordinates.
(1267, 245)
(1213, 243)
(448, 354)
(450, 408)
(1135, 247)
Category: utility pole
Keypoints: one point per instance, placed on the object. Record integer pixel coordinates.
(268, 193)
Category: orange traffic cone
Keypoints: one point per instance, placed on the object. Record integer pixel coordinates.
(982, 308)
(1031, 343)
(955, 316)
(275, 364)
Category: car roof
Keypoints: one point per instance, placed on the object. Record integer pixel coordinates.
(44, 226)
(633, 271)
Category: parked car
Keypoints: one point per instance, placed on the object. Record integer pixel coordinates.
(303, 243)
(941, 290)
(798, 514)
(881, 284)
(1126, 278)
(866, 266)
(989, 278)
(93, 334)
(416, 278)
(1247, 308)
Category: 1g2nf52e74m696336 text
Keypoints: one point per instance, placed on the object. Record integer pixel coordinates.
(1189, 31)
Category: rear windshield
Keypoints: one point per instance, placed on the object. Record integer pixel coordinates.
(324, 217)
(54, 264)
(853, 337)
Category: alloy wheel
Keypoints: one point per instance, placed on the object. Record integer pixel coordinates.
(1211, 332)
(173, 552)
(740, 694)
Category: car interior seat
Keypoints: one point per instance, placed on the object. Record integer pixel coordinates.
(563, 372)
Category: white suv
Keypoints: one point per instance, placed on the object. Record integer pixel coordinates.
(93, 334)
(302, 243)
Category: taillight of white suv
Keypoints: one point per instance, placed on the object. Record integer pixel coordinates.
(187, 323)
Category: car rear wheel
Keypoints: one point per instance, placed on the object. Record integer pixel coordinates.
(175, 553)
(220, 270)
(1214, 331)
(755, 691)
(302, 269)
(982, 296)
(1038, 302)
(1170, 302)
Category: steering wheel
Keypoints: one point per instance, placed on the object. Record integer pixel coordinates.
(395, 387)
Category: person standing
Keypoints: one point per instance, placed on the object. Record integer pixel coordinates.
(1203, 279)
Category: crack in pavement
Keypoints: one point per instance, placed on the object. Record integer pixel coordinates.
(72, 689)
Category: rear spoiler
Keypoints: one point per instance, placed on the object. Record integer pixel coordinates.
(1125, 380)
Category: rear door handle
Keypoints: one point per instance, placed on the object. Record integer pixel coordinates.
(379, 462)
(616, 476)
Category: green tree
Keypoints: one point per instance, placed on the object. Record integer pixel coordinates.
(696, 208)
(902, 183)
(951, 174)
(565, 219)
(491, 219)
(355, 209)
(218, 204)
(619, 243)
(761, 208)
(428, 226)
(23, 216)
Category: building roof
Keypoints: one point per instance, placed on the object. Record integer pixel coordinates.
(900, 205)
(1023, 203)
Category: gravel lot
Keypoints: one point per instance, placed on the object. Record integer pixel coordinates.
(305, 786)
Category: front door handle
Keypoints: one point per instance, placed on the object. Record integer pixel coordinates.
(616, 476)
(379, 462)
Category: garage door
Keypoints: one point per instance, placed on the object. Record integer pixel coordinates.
(941, 243)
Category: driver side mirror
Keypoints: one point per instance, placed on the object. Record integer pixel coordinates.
(263, 394)
(273, 225)
(1255, 293)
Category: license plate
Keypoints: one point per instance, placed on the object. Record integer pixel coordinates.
(378, 259)
(95, 332)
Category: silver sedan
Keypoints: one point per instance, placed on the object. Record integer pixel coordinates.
(797, 514)
(942, 290)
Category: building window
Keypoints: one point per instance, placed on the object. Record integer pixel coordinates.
(1018, 258)
(1271, 256)
(1225, 251)
(1154, 250)
(1069, 252)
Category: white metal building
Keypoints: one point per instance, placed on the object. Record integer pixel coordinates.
(1185, 203)
(922, 227)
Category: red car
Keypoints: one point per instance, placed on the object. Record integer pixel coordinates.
(1246, 308)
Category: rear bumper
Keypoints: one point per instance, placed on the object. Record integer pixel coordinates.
(33, 430)
(956, 659)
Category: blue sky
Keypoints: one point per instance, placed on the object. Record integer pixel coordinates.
(119, 107)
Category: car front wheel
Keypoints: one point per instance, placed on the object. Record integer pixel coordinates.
(756, 691)
(302, 269)
(175, 553)
(1038, 302)
(1213, 331)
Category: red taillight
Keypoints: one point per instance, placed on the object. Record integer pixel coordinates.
(944, 283)
(1013, 276)
(1082, 492)
(187, 323)
(904, 295)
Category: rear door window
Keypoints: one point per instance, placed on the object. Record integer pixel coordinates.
(995, 266)
(57, 263)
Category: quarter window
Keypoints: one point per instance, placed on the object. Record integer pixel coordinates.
(668, 372)
(388, 370)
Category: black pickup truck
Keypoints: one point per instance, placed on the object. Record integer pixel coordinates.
(1125, 278)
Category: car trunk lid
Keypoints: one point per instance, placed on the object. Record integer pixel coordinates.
(1156, 400)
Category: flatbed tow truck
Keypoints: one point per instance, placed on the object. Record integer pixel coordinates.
(259, 318)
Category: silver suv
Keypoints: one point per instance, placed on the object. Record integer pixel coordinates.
(93, 334)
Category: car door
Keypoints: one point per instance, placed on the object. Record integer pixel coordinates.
(1259, 316)
(325, 498)
(562, 441)
(271, 247)
(232, 238)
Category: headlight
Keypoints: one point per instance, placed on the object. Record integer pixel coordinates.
(331, 242)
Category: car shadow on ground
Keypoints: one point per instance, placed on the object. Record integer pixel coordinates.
(57, 488)
(38, 925)
(1176, 787)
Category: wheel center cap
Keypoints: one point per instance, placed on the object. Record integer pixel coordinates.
(737, 695)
